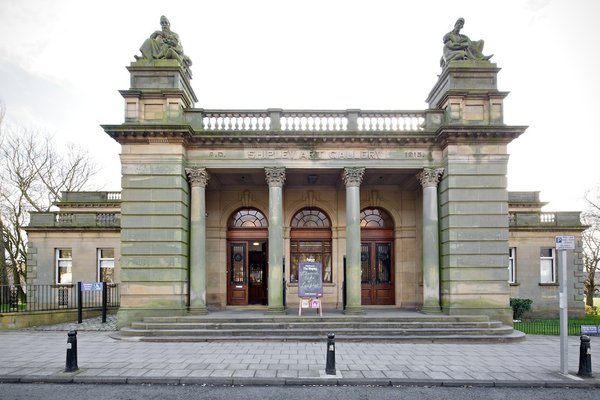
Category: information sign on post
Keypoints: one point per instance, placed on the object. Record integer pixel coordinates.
(564, 243)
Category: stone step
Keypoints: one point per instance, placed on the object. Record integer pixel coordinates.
(380, 325)
(288, 319)
(317, 332)
(463, 338)
(330, 325)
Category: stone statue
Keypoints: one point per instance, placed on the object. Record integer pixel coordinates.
(460, 47)
(163, 44)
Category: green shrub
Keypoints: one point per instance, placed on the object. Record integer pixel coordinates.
(592, 310)
(520, 307)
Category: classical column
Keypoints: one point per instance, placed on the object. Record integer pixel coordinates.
(275, 177)
(429, 179)
(352, 178)
(198, 179)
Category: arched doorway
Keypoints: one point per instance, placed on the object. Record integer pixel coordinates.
(310, 240)
(377, 257)
(247, 266)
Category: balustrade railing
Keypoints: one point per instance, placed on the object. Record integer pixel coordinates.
(79, 219)
(547, 218)
(313, 120)
(529, 219)
(107, 219)
(113, 195)
(64, 218)
(241, 120)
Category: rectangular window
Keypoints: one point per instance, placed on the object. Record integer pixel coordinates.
(106, 265)
(547, 265)
(64, 263)
(512, 263)
(313, 250)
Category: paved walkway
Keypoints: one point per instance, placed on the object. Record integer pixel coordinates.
(39, 355)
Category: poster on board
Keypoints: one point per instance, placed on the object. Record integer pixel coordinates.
(310, 281)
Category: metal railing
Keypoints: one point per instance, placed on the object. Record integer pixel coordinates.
(550, 328)
(53, 297)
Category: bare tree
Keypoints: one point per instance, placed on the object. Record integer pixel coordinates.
(591, 245)
(35, 172)
(3, 237)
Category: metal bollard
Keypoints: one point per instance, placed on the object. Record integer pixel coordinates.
(71, 365)
(585, 357)
(330, 366)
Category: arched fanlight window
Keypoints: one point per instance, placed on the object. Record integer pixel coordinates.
(310, 218)
(248, 218)
(310, 240)
(375, 218)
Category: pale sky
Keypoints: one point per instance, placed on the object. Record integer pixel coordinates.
(62, 63)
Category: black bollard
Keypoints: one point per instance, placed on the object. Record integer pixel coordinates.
(330, 366)
(585, 357)
(71, 352)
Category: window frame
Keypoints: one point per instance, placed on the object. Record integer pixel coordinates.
(552, 259)
(311, 225)
(100, 259)
(58, 258)
(512, 265)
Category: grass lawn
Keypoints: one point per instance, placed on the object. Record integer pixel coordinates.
(552, 326)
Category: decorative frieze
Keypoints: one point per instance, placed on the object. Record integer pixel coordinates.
(430, 177)
(197, 176)
(353, 176)
(275, 176)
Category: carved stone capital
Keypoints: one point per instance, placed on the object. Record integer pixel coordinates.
(353, 176)
(430, 177)
(197, 176)
(275, 176)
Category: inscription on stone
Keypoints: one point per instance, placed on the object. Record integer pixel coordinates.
(316, 154)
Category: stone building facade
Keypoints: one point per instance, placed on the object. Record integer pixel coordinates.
(79, 241)
(403, 208)
(534, 263)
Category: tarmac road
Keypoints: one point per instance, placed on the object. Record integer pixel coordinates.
(21, 391)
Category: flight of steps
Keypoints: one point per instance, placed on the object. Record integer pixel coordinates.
(424, 328)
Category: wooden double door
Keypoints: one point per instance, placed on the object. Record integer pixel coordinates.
(377, 270)
(247, 272)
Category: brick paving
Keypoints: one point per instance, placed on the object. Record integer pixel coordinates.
(39, 355)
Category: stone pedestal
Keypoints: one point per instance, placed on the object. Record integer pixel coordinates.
(159, 92)
(467, 92)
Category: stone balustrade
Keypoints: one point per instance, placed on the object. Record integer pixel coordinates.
(89, 197)
(542, 219)
(310, 120)
(80, 219)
